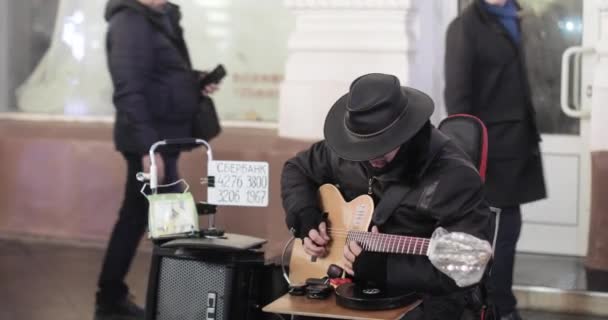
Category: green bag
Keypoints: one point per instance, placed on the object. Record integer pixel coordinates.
(172, 215)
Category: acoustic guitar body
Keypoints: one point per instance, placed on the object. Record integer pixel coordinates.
(343, 216)
(460, 256)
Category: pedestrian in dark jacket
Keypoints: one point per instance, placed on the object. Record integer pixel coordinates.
(486, 77)
(378, 137)
(156, 95)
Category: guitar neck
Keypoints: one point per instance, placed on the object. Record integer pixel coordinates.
(389, 243)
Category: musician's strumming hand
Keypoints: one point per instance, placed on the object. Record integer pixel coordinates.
(317, 240)
(351, 251)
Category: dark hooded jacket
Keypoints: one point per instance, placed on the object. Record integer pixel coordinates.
(440, 188)
(155, 90)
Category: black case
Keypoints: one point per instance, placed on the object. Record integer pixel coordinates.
(206, 279)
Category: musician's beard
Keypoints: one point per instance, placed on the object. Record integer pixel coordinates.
(399, 161)
(408, 156)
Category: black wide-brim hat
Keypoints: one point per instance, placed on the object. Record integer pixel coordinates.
(376, 116)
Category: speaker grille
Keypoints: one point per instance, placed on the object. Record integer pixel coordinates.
(185, 285)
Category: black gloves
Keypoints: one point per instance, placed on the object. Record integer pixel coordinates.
(302, 222)
(371, 267)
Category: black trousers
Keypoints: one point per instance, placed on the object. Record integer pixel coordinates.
(501, 278)
(128, 230)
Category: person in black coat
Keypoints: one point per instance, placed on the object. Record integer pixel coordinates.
(486, 76)
(156, 95)
(379, 141)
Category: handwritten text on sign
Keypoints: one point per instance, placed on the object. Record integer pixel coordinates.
(239, 183)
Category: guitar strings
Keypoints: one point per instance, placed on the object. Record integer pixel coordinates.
(389, 246)
(409, 241)
(345, 235)
(355, 233)
(383, 242)
(361, 231)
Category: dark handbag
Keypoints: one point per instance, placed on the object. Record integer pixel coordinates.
(206, 123)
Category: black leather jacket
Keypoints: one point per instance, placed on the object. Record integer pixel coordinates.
(442, 189)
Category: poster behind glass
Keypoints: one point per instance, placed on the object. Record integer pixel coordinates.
(28, 33)
(248, 37)
(549, 27)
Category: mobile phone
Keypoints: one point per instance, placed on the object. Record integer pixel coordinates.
(318, 291)
(214, 77)
(316, 281)
(297, 290)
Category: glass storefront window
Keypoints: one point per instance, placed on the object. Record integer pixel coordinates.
(57, 56)
(549, 27)
(27, 32)
(250, 39)
(68, 74)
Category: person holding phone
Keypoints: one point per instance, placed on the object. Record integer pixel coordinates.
(156, 95)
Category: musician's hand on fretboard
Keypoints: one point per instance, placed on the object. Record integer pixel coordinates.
(351, 251)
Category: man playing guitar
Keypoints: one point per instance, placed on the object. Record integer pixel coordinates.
(379, 141)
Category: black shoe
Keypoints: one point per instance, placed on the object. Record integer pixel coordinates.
(125, 309)
(511, 316)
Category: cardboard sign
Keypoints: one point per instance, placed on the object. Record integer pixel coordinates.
(238, 183)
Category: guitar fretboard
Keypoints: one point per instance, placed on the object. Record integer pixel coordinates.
(381, 242)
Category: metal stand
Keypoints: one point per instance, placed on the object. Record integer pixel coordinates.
(204, 208)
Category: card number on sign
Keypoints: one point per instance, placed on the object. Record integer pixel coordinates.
(239, 183)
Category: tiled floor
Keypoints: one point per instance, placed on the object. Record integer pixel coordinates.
(533, 315)
(567, 273)
(57, 282)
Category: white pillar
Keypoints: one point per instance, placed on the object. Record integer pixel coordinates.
(4, 56)
(433, 18)
(334, 42)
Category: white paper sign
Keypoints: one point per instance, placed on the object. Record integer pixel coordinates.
(238, 183)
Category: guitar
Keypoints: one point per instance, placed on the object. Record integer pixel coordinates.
(460, 256)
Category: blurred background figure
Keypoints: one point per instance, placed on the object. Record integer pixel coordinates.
(485, 74)
(156, 96)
